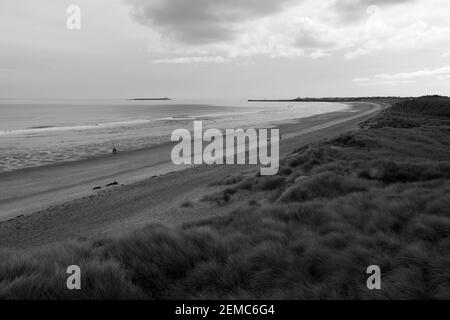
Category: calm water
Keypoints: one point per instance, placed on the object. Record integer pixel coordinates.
(34, 133)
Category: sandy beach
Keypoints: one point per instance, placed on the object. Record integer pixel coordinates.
(57, 202)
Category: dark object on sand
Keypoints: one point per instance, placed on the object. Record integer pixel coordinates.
(96, 188)
(112, 184)
(151, 99)
(114, 151)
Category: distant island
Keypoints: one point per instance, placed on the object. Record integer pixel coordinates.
(150, 99)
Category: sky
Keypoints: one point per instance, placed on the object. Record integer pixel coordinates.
(233, 49)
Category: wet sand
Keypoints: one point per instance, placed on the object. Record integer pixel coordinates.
(44, 205)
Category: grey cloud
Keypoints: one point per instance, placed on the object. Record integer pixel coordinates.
(307, 40)
(350, 10)
(202, 21)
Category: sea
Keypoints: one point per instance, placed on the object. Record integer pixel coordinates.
(42, 132)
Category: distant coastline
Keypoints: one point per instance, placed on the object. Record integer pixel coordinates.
(335, 99)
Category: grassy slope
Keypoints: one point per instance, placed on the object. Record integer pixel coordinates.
(375, 196)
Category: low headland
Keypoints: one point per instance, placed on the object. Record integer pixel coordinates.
(385, 99)
(151, 99)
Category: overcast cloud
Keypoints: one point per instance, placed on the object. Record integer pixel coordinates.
(202, 21)
(290, 28)
(233, 48)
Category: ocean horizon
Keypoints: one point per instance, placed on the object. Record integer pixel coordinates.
(40, 132)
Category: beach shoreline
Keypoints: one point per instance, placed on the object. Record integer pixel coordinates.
(77, 132)
(58, 202)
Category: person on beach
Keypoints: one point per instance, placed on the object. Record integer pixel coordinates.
(114, 151)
